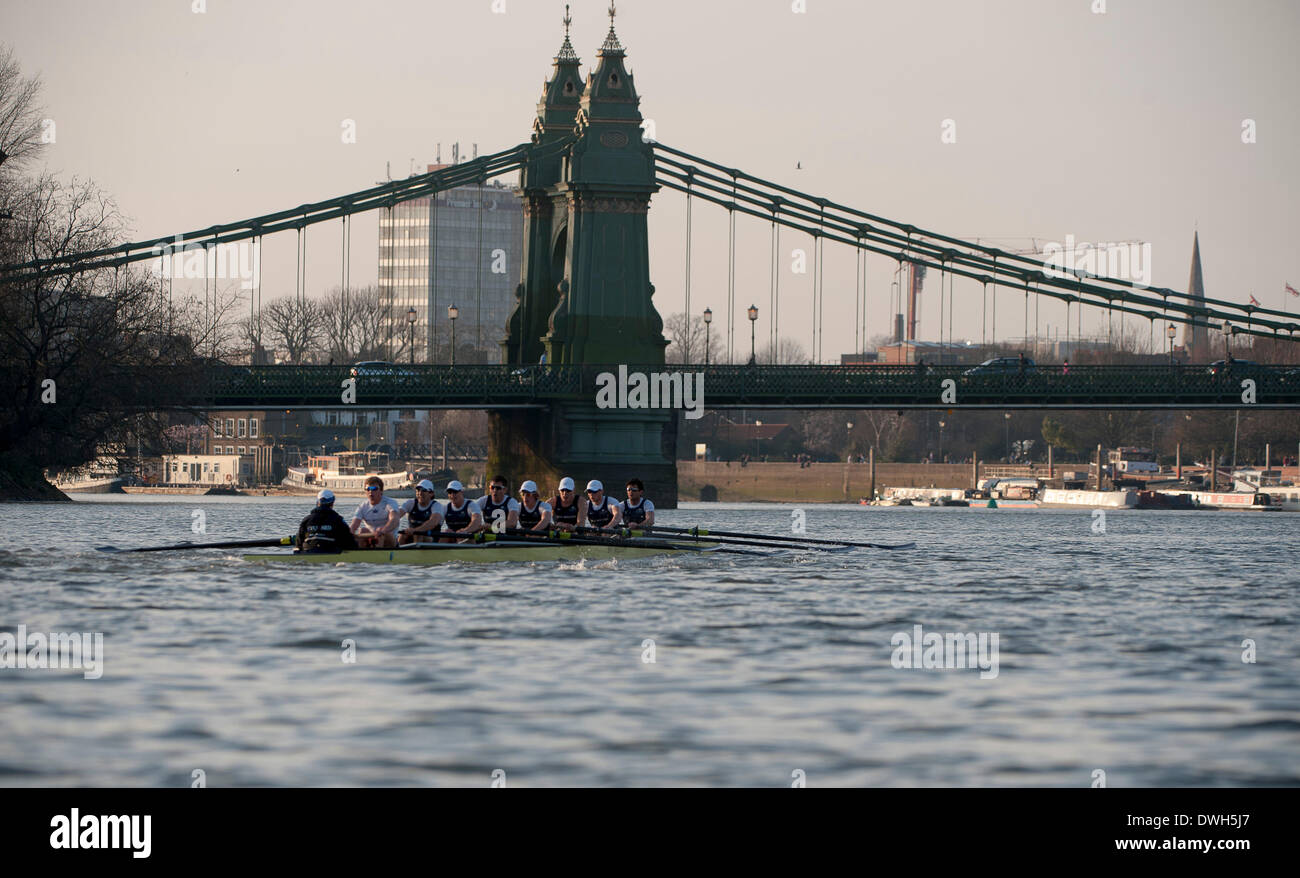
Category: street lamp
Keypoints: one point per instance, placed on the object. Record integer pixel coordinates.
(708, 319)
(757, 423)
(1171, 332)
(452, 313)
(941, 441)
(753, 318)
(1228, 330)
(410, 322)
(1007, 416)
(849, 426)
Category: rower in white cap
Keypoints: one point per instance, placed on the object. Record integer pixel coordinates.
(423, 516)
(601, 511)
(566, 510)
(460, 516)
(534, 512)
(324, 530)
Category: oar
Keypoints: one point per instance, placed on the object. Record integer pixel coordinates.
(240, 544)
(624, 533)
(704, 532)
(562, 537)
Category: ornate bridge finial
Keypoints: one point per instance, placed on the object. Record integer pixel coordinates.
(611, 45)
(566, 50)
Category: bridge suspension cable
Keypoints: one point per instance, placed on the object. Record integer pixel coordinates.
(762, 198)
(731, 279)
(686, 339)
(482, 196)
(383, 195)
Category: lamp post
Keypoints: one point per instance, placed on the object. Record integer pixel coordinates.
(708, 319)
(452, 313)
(753, 319)
(941, 442)
(1007, 417)
(410, 322)
(849, 426)
(1171, 332)
(757, 423)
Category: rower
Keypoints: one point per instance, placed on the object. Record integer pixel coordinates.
(534, 512)
(565, 508)
(602, 512)
(423, 516)
(459, 516)
(376, 519)
(324, 530)
(500, 511)
(637, 510)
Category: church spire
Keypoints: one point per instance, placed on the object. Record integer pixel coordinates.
(1199, 335)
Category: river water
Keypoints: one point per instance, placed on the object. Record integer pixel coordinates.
(1119, 650)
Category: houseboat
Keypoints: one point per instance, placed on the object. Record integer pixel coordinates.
(345, 474)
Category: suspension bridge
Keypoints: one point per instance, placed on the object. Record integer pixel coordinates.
(584, 303)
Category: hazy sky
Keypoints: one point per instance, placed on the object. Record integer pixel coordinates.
(1125, 125)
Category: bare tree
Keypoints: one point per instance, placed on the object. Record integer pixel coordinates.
(884, 427)
(354, 325)
(20, 115)
(295, 324)
(74, 347)
(788, 352)
(210, 324)
(689, 348)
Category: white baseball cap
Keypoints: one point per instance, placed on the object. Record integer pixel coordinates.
(326, 496)
(566, 484)
(425, 484)
(528, 487)
(595, 485)
(454, 485)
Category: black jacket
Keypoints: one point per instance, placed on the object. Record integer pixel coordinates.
(324, 530)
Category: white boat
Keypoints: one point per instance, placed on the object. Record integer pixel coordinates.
(99, 477)
(919, 496)
(1059, 498)
(1247, 500)
(345, 474)
(1281, 494)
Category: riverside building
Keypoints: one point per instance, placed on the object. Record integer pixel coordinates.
(460, 247)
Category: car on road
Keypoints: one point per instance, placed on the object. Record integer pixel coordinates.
(380, 370)
(1234, 366)
(1002, 366)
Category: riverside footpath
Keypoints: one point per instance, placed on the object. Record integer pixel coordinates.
(834, 482)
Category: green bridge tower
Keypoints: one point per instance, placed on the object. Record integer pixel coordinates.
(585, 293)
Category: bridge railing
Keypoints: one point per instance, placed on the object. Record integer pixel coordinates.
(766, 386)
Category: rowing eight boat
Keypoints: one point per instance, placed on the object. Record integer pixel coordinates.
(444, 553)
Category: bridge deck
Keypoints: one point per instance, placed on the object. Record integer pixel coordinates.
(727, 386)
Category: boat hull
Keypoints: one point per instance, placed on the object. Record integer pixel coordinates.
(1056, 498)
(483, 553)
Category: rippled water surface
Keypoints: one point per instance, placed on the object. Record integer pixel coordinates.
(1120, 651)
